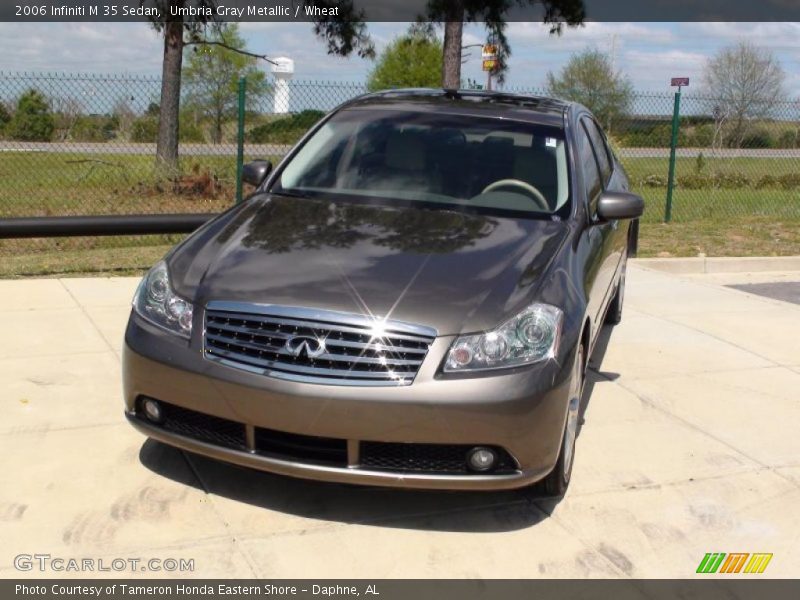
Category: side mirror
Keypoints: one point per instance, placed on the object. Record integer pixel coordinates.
(256, 172)
(619, 205)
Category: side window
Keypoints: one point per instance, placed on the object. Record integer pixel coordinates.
(591, 174)
(600, 147)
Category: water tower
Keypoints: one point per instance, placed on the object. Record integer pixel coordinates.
(283, 70)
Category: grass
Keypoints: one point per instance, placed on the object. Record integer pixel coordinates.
(743, 236)
(715, 222)
(44, 184)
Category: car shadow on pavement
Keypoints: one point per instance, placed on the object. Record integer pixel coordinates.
(593, 372)
(593, 375)
(386, 507)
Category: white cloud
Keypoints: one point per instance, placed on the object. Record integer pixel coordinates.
(768, 35)
(106, 48)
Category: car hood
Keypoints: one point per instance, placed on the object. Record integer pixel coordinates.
(454, 271)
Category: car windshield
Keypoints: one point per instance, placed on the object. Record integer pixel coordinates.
(477, 163)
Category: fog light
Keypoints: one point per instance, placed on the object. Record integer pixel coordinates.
(481, 459)
(152, 410)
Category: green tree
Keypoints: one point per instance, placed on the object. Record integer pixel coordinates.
(212, 77)
(5, 117)
(343, 33)
(32, 121)
(747, 83)
(412, 60)
(589, 78)
(452, 14)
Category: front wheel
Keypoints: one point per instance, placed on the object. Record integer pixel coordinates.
(556, 483)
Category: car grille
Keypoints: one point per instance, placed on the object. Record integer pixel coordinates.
(304, 448)
(313, 345)
(433, 459)
(425, 458)
(200, 426)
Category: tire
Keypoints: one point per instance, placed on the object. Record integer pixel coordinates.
(556, 483)
(614, 313)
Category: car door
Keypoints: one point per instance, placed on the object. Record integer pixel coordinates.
(603, 259)
(593, 237)
(613, 178)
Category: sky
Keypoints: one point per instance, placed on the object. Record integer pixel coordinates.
(649, 53)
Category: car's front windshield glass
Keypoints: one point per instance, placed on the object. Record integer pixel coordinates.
(433, 158)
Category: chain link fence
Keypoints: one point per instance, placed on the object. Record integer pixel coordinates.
(73, 144)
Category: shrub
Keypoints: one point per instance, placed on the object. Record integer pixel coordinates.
(694, 181)
(5, 117)
(285, 130)
(144, 130)
(191, 133)
(789, 181)
(32, 121)
(767, 181)
(730, 180)
(789, 138)
(657, 135)
(94, 128)
(701, 136)
(760, 138)
(654, 181)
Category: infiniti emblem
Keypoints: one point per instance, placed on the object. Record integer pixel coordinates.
(311, 346)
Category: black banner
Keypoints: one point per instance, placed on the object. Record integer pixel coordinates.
(727, 588)
(385, 10)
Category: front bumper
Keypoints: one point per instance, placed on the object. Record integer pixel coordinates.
(521, 411)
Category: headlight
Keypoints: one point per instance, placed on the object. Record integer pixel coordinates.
(531, 336)
(156, 302)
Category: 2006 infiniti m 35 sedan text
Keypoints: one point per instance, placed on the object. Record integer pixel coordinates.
(409, 299)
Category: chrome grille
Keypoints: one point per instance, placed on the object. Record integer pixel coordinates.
(304, 344)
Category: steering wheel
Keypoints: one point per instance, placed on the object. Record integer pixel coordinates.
(532, 190)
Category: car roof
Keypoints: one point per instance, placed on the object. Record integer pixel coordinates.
(519, 107)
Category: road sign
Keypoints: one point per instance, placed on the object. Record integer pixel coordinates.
(680, 81)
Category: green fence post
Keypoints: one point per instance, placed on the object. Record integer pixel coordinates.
(676, 116)
(240, 140)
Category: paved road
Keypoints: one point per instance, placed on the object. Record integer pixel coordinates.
(689, 445)
(281, 149)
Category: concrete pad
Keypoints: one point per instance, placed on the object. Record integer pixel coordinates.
(690, 264)
(665, 295)
(724, 264)
(84, 491)
(34, 294)
(256, 503)
(689, 446)
(626, 443)
(49, 333)
(791, 473)
(744, 278)
(665, 531)
(60, 392)
(102, 291)
(720, 264)
(111, 323)
(755, 411)
(509, 541)
(774, 335)
(649, 347)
